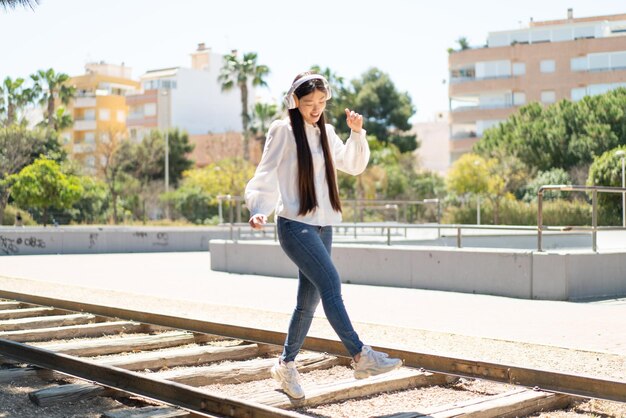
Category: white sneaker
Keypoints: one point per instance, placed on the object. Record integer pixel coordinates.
(289, 378)
(373, 363)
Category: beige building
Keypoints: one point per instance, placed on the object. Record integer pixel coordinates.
(433, 153)
(99, 109)
(544, 62)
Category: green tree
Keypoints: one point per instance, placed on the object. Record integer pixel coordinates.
(468, 174)
(115, 156)
(146, 166)
(240, 72)
(566, 135)
(42, 185)
(193, 203)
(341, 97)
(50, 87)
(386, 111)
(13, 98)
(262, 116)
(20, 147)
(228, 176)
(554, 176)
(473, 175)
(606, 170)
(428, 185)
(92, 206)
(179, 148)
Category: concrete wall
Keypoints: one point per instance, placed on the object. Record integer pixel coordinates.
(85, 240)
(512, 273)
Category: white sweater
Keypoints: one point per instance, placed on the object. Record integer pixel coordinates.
(275, 182)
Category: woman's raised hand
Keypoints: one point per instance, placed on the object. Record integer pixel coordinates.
(355, 121)
(257, 221)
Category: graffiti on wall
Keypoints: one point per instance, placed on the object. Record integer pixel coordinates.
(162, 239)
(11, 246)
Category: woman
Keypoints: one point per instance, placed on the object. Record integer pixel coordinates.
(296, 177)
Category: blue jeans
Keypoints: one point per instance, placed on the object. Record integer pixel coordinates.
(309, 246)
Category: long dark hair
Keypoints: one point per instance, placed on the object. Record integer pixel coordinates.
(306, 185)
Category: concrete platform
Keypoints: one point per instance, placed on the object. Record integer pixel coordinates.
(184, 284)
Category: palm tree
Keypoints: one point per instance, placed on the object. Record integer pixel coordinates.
(13, 98)
(51, 87)
(336, 81)
(239, 72)
(263, 115)
(12, 3)
(60, 120)
(341, 97)
(463, 43)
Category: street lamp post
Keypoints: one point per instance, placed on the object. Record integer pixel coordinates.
(167, 153)
(167, 161)
(622, 154)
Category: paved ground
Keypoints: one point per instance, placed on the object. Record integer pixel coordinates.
(183, 283)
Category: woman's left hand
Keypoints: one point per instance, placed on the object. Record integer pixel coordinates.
(355, 121)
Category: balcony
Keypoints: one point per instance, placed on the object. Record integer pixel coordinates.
(85, 125)
(470, 114)
(82, 102)
(84, 148)
(467, 79)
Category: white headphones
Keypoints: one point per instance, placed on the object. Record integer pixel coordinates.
(290, 98)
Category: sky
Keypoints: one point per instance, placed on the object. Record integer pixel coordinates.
(406, 39)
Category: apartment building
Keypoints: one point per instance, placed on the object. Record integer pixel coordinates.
(189, 99)
(543, 62)
(99, 109)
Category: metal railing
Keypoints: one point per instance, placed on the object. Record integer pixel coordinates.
(399, 208)
(386, 228)
(594, 211)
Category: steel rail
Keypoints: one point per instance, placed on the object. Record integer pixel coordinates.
(551, 381)
(173, 393)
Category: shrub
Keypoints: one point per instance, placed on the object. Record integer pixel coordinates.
(9, 216)
(514, 212)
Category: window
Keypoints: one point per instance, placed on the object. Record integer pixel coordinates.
(519, 68)
(599, 61)
(519, 98)
(562, 34)
(540, 35)
(493, 69)
(547, 66)
(584, 32)
(121, 116)
(548, 96)
(149, 109)
(618, 60)
(579, 64)
(90, 137)
(90, 114)
(483, 125)
(594, 89)
(522, 37)
(104, 114)
(578, 93)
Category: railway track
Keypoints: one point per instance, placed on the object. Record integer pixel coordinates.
(182, 367)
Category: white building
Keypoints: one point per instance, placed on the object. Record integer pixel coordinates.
(189, 99)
